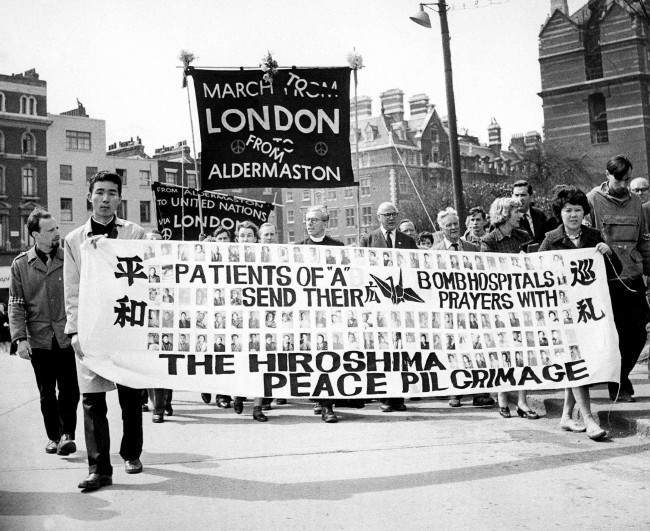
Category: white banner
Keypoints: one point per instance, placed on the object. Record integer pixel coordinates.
(302, 321)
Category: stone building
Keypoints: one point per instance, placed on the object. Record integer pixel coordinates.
(23, 157)
(396, 155)
(596, 83)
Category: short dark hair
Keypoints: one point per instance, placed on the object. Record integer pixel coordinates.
(522, 182)
(220, 230)
(34, 219)
(105, 175)
(619, 166)
(425, 235)
(248, 225)
(477, 210)
(572, 196)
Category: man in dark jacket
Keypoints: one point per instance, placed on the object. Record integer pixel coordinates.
(534, 221)
(618, 215)
(316, 220)
(387, 236)
(37, 322)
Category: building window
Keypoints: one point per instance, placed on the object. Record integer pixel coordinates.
(90, 171)
(598, 119)
(348, 193)
(2, 142)
(170, 176)
(3, 182)
(122, 210)
(191, 179)
(65, 172)
(290, 216)
(145, 211)
(3, 104)
(23, 105)
(28, 105)
(288, 196)
(364, 186)
(5, 243)
(29, 182)
(366, 216)
(331, 195)
(77, 141)
(349, 217)
(66, 209)
(145, 177)
(593, 55)
(291, 237)
(350, 240)
(28, 144)
(306, 195)
(403, 185)
(334, 218)
(122, 173)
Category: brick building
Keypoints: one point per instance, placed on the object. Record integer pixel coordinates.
(596, 83)
(23, 157)
(392, 147)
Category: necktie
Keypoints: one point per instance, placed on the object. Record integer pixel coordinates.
(530, 224)
(389, 240)
(455, 246)
(48, 261)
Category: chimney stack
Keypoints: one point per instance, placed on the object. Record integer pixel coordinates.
(560, 5)
(418, 105)
(392, 104)
(494, 136)
(363, 105)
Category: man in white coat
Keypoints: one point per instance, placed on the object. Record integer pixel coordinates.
(105, 195)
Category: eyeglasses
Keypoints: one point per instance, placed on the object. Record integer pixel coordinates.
(314, 220)
(389, 214)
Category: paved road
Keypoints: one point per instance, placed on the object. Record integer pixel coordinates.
(429, 468)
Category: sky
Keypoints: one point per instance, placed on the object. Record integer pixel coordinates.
(120, 57)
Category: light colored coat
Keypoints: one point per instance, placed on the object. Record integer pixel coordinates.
(89, 382)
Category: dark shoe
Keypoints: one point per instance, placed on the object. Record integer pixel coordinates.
(624, 397)
(157, 419)
(238, 405)
(280, 401)
(133, 466)
(206, 397)
(223, 402)
(145, 408)
(527, 414)
(259, 415)
(504, 412)
(95, 481)
(483, 401)
(399, 407)
(318, 409)
(169, 410)
(329, 416)
(266, 407)
(454, 402)
(51, 447)
(386, 408)
(66, 445)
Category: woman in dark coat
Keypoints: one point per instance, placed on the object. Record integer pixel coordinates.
(571, 206)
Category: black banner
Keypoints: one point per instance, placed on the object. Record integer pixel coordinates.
(177, 211)
(291, 132)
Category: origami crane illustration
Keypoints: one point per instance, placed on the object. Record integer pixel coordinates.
(396, 292)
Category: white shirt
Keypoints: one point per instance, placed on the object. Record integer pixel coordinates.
(393, 235)
(448, 244)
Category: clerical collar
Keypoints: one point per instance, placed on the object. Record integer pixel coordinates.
(317, 240)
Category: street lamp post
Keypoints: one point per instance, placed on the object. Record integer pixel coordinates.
(422, 18)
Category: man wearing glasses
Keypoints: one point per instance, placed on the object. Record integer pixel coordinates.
(388, 237)
(639, 186)
(316, 220)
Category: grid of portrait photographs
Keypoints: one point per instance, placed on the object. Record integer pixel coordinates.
(217, 321)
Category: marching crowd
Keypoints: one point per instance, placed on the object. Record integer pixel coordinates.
(43, 305)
